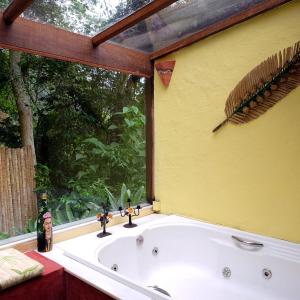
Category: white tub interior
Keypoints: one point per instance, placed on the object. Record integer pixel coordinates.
(187, 258)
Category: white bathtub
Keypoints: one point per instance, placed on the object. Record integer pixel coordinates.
(193, 260)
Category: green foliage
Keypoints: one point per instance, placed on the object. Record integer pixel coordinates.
(124, 159)
(138, 196)
(77, 206)
(30, 225)
(119, 201)
(74, 102)
(4, 4)
(72, 207)
(42, 179)
(116, 202)
(4, 235)
(9, 129)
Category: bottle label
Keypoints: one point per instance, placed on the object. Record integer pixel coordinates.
(44, 232)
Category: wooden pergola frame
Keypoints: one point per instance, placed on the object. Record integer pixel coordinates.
(46, 40)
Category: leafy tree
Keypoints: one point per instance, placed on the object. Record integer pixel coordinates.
(116, 162)
(9, 128)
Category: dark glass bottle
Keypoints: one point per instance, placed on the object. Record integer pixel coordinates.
(44, 225)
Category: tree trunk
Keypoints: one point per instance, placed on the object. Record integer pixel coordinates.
(23, 101)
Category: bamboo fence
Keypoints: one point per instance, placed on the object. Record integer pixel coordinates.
(17, 197)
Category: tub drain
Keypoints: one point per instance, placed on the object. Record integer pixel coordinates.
(158, 289)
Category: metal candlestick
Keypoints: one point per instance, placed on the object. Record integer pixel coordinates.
(104, 219)
(129, 211)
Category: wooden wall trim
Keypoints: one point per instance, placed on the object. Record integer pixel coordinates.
(47, 40)
(131, 20)
(219, 26)
(150, 140)
(15, 9)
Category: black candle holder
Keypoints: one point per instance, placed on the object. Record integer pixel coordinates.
(129, 211)
(104, 219)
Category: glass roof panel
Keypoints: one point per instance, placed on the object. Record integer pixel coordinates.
(4, 4)
(178, 21)
(87, 17)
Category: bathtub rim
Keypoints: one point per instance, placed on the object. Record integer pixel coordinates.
(284, 247)
(167, 221)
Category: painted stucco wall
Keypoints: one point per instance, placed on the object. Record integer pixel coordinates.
(248, 176)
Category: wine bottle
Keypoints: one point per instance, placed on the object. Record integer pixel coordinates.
(44, 225)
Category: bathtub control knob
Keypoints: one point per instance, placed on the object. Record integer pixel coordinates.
(139, 240)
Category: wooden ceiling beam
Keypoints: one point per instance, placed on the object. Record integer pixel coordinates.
(14, 10)
(131, 20)
(47, 40)
(219, 26)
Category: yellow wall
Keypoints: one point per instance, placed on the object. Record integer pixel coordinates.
(246, 176)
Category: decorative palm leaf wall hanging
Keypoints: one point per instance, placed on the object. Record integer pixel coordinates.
(263, 87)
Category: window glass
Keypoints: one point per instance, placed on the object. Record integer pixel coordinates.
(87, 17)
(88, 127)
(178, 21)
(4, 4)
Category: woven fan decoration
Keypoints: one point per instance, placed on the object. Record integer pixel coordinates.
(263, 87)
